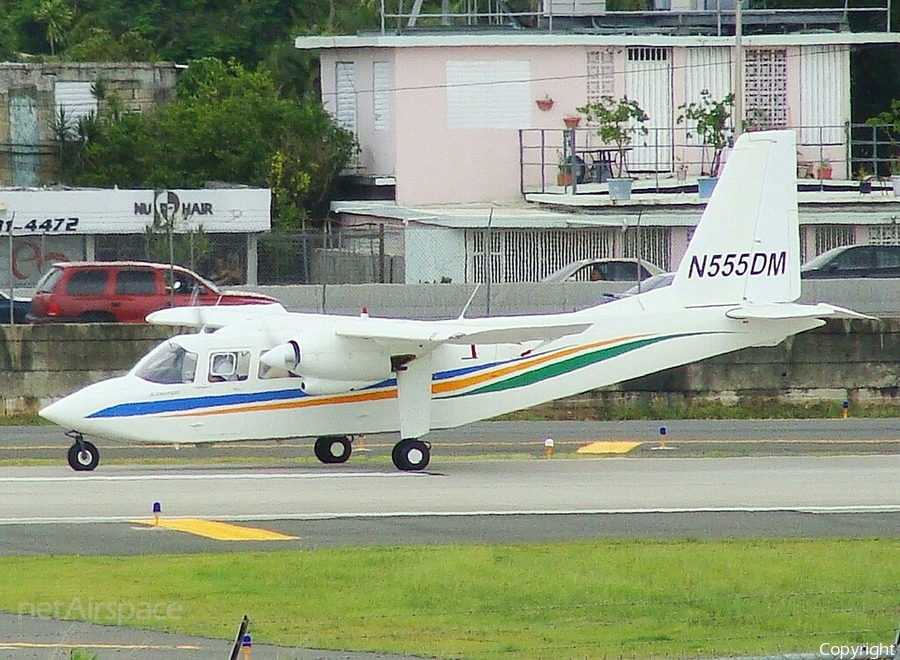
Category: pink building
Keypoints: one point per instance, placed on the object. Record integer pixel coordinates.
(464, 118)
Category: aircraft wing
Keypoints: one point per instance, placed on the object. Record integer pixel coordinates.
(214, 316)
(498, 330)
(777, 311)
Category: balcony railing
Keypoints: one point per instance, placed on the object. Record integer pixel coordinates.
(667, 158)
(716, 17)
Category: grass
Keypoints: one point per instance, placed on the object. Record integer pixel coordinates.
(561, 600)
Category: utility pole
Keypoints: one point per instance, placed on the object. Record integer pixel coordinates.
(738, 72)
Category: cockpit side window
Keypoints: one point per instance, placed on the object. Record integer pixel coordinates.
(168, 364)
(229, 366)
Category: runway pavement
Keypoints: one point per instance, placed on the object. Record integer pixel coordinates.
(47, 444)
(757, 479)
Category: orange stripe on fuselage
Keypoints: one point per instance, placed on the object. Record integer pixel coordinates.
(302, 403)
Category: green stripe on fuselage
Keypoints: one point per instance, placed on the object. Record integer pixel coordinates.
(564, 366)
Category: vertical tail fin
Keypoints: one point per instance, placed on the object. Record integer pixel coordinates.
(746, 247)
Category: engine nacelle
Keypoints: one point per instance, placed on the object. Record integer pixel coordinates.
(327, 357)
(319, 386)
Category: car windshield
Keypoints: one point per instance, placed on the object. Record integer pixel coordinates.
(168, 363)
(655, 282)
(48, 282)
(817, 262)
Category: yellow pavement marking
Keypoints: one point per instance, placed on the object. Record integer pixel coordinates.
(608, 447)
(219, 531)
(99, 645)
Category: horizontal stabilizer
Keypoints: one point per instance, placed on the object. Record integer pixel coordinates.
(216, 316)
(780, 311)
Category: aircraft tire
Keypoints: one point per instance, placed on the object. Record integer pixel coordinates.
(411, 455)
(333, 449)
(83, 457)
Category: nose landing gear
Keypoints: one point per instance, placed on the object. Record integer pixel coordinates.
(83, 455)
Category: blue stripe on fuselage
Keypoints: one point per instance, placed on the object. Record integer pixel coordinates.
(192, 403)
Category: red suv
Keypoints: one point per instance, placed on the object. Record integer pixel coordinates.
(123, 292)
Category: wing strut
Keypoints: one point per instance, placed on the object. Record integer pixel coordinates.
(414, 397)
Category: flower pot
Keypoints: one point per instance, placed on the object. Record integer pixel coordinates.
(564, 178)
(571, 122)
(706, 185)
(619, 189)
(544, 104)
(865, 186)
(895, 182)
(823, 172)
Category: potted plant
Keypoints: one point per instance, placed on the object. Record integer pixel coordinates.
(564, 174)
(823, 169)
(711, 124)
(617, 122)
(864, 176)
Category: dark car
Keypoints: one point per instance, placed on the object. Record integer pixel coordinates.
(123, 292)
(20, 308)
(854, 261)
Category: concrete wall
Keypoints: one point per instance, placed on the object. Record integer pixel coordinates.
(844, 360)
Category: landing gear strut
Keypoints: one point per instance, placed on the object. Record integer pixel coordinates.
(411, 454)
(83, 455)
(333, 448)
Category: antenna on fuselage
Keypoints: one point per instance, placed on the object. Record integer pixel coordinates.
(465, 308)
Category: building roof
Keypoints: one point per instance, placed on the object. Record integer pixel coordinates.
(528, 38)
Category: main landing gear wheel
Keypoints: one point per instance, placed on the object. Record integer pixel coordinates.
(411, 455)
(333, 448)
(83, 455)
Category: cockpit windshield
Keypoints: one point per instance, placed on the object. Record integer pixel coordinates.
(168, 363)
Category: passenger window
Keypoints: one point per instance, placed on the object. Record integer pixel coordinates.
(229, 366)
(136, 282)
(87, 283)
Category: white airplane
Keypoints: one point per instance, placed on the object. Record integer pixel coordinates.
(259, 372)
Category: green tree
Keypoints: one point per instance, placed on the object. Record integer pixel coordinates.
(227, 124)
(711, 124)
(57, 17)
